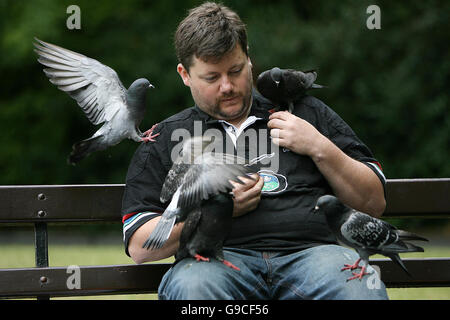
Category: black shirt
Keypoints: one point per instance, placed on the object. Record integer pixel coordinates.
(284, 218)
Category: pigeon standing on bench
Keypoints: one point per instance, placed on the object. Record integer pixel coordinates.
(198, 185)
(100, 94)
(366, 234)
(284, 86)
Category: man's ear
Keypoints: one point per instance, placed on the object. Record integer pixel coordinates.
(184, 74)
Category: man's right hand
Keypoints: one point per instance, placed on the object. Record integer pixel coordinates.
(246, 196)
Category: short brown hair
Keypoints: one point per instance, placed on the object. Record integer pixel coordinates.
(209, 32)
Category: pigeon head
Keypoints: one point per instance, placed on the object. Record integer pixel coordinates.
(139, 86)
(194, 147)
(329, 204)
(276, 75)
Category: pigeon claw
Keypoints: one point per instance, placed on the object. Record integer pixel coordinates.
(352, 266)
(149, 136)
(201, 258)
(359, 275)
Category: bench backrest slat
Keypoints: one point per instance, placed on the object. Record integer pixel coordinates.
(60, 203)
(426, 198)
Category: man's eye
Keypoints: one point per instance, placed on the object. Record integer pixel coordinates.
(236, 71)
(210, 79)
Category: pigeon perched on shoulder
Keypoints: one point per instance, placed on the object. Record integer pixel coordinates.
(198, 185)
(284, 86)
(100, 94)
(366, 234)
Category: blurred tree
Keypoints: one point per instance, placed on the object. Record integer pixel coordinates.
(391, 85)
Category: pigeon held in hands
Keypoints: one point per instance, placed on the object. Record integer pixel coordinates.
(284, 86)
(366, 234)
(100, 94)
(198, 185)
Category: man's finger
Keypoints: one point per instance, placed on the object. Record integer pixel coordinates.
(282, 115)
(275, 123)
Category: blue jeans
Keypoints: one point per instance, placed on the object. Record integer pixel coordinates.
(313, 273)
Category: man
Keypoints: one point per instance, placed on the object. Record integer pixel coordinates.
(283, 249)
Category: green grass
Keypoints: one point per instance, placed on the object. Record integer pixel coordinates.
(21, 255)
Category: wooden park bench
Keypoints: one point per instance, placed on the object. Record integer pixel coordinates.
(44, 204)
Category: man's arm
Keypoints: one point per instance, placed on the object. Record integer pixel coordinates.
(141, 255)
(353, 182)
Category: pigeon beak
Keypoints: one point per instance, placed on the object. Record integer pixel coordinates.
(316, 208)
(150, 86)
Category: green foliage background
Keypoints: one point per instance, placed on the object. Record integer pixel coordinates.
(391, 85)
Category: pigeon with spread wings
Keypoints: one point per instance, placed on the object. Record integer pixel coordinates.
(198, 186)
(100, 94)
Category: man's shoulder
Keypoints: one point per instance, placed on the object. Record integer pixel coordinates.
(185, 115)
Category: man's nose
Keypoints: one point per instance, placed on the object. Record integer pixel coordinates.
(226, 85)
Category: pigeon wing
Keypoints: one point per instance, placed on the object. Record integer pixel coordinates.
(364, 231)
(173, 181)
(95, 86)
(210, 175)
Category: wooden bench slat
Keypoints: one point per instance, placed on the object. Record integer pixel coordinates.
(94, 280)
(426, 198)
(61, 203)
(425, 272)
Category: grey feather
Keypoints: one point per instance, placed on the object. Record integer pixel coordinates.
(100, 94)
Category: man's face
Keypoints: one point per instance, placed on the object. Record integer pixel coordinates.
(222, 89)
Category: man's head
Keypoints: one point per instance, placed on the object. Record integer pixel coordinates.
(208, 33)
(211, 45)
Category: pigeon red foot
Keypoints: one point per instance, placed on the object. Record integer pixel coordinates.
(225, 262)
(149, 136)
(352, 266)
(229, 264)
(201, 258)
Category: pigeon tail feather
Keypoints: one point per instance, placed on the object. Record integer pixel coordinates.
(83, 148)
(406, 235)
(396, 258)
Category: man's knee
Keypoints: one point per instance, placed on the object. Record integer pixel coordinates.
(194, 280)
(333, 283)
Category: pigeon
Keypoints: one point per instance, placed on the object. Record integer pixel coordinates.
(284, 86)
(100, 94)
(366, 234)
(198, 185)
